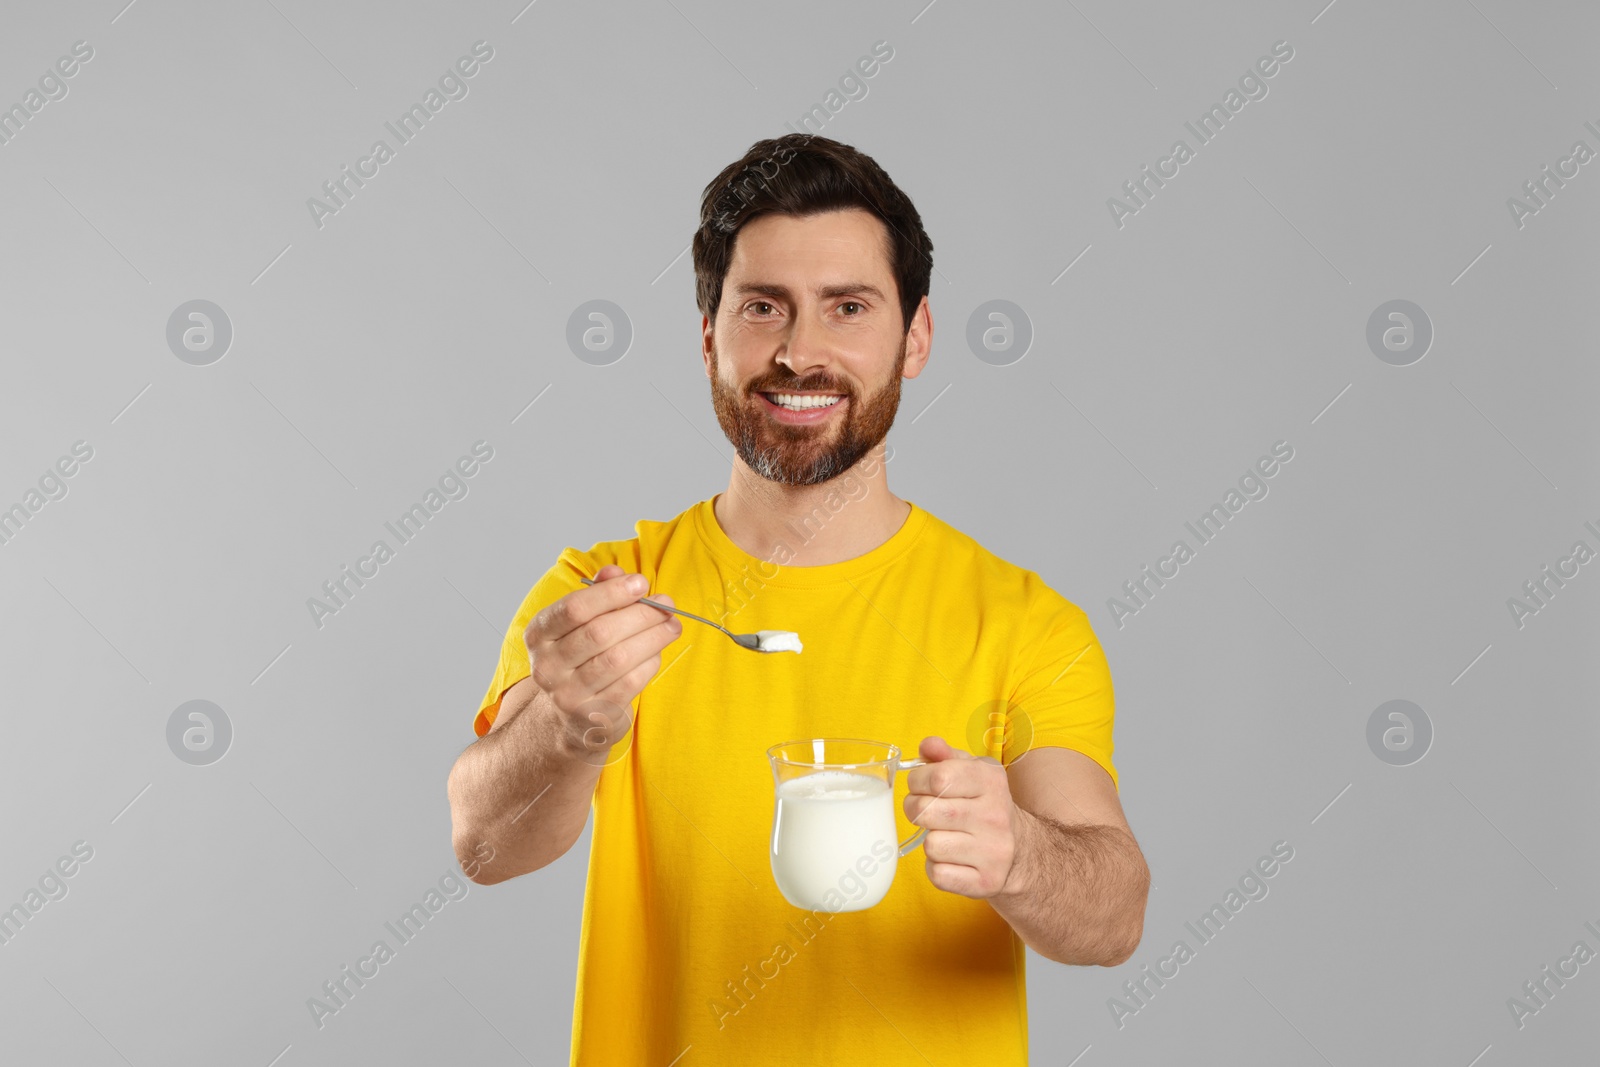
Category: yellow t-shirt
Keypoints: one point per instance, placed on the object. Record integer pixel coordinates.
(686, 941)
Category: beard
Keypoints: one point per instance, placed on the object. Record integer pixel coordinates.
(803, 455)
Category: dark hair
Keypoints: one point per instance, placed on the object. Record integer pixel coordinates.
(800, 175)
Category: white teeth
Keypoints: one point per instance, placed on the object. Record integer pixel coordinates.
(801, 403)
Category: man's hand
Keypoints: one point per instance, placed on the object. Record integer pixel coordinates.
(973, 825)
(593, 651)
(1056, 860)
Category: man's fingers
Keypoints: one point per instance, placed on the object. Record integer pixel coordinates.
(620, 661)
(938, 813)
(598, 635)
(954, 846)
(957, 878)
(581, 606)
(951, 778)
(585, 623)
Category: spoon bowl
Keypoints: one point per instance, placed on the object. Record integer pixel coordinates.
(762, 641)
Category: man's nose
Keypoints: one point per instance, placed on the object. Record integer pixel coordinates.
(807, 346)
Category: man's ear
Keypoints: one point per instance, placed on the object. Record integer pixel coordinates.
(706, 341)
(919, 340)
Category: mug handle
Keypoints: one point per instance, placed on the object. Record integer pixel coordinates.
(915, 839)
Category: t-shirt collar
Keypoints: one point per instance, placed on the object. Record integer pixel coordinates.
(774, 571)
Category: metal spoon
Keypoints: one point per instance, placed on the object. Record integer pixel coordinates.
(754, 642)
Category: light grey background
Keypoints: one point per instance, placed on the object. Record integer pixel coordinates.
(369, 354)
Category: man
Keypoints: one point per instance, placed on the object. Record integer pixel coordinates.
(812, 274)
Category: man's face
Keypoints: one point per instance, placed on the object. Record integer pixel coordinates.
(810, 315)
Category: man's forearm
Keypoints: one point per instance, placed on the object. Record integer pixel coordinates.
(520, 796)
(1076, 894)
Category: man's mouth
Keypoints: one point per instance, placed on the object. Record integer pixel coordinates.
(803, 401)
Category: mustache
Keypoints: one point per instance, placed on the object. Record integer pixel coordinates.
(800, 385)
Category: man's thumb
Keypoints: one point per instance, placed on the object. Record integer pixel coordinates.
(935, 749)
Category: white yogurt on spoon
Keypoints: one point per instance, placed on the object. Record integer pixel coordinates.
(778, 641)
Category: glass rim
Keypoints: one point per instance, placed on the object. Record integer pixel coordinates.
(893, 757)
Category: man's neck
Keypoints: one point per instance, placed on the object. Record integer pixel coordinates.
(831, 522)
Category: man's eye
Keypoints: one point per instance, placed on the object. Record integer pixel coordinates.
(849, 304)
(758, 304)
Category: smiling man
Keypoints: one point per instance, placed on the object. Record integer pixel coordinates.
(812, 275)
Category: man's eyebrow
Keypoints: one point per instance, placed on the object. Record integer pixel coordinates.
(826, 291)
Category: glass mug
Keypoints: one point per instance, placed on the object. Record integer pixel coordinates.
(834, 842)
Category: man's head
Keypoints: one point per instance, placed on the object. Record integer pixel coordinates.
(812, 272)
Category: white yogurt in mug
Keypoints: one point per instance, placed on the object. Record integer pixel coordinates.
(834, 832)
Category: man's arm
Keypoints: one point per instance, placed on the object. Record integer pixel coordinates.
(520, 794)
(1077, 887)
(1045, 842)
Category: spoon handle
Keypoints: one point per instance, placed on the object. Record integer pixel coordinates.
(675, 611)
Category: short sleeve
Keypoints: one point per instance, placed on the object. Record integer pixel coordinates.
(557, 582)
(1062, 695)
